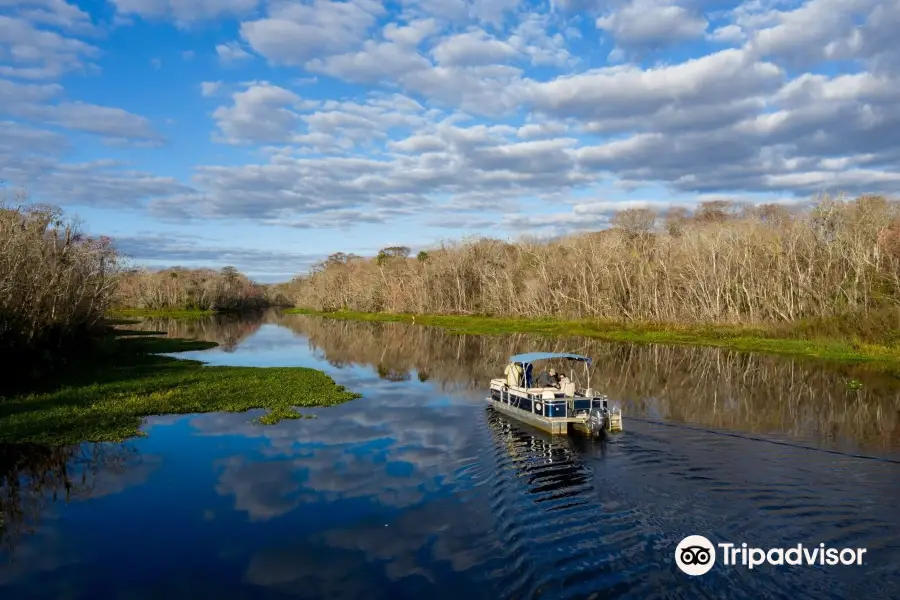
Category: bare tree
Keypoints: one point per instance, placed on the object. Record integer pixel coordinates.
(635, 221)
(722, 265)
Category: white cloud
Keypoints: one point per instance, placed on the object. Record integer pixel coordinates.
(652, 24)
(412, 34)
(16, 137)
(493, 11)
(185, 10)
(610, 94)
(455, 11)
(33, 102)
(55, 13)
(263, 113)
(33, 53)
(472, 48)
(231, 53)
(456, 112)
(374, 63)
(209, 88)
(294, 33)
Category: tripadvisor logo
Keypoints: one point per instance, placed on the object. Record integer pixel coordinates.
(696, 555)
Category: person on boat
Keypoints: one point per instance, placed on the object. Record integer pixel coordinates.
(547, 379)
(529, 377)
(566, 385)
(513, 374)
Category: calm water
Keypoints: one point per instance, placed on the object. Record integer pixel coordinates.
(419, 489)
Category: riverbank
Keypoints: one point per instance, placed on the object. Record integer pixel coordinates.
(105, 396)
(794, 341)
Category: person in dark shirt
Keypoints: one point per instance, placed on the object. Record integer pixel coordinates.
(546, 379)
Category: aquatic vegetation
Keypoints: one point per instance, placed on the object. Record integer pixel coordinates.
(106, 396)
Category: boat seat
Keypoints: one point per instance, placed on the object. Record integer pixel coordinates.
(541, 390)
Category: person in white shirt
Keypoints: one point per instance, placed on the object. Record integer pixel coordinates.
(513, 374)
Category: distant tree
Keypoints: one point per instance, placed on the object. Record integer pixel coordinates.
(676, 219)
(635, 221)
(422, 256)
(774, 214)
(714, 211)
(391, 252)
(230, 274)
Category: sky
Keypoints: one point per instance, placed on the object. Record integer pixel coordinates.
(267, 134)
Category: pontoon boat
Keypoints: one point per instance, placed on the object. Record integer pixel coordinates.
(554, 408)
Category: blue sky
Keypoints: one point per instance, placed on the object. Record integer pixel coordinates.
(268, 134)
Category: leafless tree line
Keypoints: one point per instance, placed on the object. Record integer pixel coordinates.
(708, 386)
(56, 282)
(189, 289)
(721, 264)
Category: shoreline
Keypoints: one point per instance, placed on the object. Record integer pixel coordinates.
(739, 338)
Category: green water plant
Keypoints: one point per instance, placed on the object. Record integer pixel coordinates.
(107, 395)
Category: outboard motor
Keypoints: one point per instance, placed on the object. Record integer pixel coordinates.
(597, 421)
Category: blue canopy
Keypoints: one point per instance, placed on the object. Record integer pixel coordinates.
(530, 357)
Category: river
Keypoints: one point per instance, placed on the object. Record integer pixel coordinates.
(419, 489)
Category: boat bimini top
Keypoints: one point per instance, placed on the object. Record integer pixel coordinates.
(530, 357)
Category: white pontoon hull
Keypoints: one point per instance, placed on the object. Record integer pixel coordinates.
(551, 410)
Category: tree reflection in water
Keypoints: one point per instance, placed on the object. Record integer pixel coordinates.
(34, 477)
(710, 387)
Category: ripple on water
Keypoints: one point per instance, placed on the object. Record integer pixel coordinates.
(572, 524)
(417, 490)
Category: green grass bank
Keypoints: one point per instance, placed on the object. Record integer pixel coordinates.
(824, 340)
(106, 395)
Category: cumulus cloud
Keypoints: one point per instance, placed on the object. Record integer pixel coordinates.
(185, 10)
(375, 62)
(181, 250)
(33, 102)
(613, 93)
(472, 48)
(294, 33)
(231, 53)
(260, 114)
(456, 113)
(643, 24)
(411, 34)
(36, 53)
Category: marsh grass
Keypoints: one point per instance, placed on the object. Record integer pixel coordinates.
(804, 340)
(106, 396)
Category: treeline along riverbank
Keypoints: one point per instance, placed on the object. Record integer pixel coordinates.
(828, 271)
(58, 285)
(70, 376)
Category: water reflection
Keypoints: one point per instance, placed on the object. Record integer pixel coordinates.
(707, 386)
(418, 489)
(227, 329)
(33, 479)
